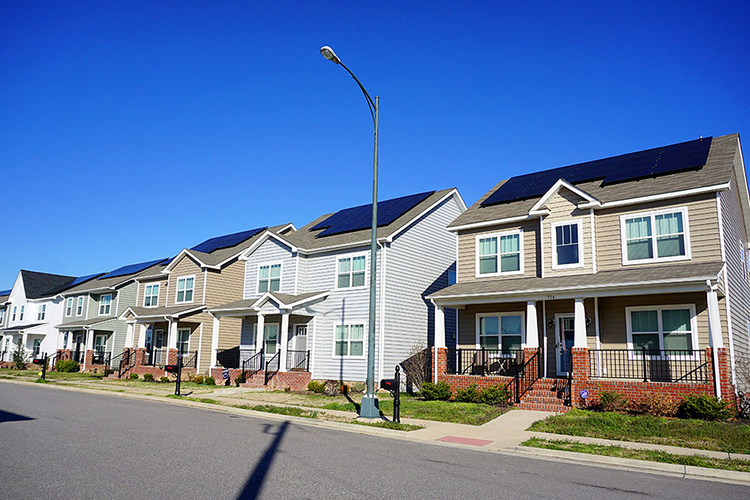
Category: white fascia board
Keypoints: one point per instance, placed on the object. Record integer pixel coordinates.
(263, 299)
(452, 192)
(742, 188)
(245, 254)
(183, 252)
(667, 196)
(309, 299)
(334, 248)
(125, 312)
(562, 183)
(496, 222)
(291, 224)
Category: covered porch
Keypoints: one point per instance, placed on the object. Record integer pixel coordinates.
(89, 343)
(31, 341)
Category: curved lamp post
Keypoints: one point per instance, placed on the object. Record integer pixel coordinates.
(369, 407)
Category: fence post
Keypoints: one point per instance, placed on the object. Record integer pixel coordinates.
(518, 388)
(459, 368)
(481, 361)
(307, 363)
(643, 358)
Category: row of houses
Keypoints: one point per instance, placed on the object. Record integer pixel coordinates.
(629, 273)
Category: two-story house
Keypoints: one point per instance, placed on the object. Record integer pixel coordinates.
(626, 274)
(4, 342)
(304, 309)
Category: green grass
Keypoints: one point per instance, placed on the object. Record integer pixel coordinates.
(390, 425)
(719, 436)
(650, 455)
(281, 410)
(442, 411)
(51, 375)
(198, 400)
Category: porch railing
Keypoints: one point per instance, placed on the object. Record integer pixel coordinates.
(485, 362)
(298, 361)
(78, 356)
(234, 357)
(528, 373)
(272, 366)
(252, 365)
(190, 359)
(100, 358)
(154, 357)
(123, 362)
(650, 365)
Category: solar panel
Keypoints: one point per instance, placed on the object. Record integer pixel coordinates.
(356, 218)
(5, 292)
(80, 280)
(226, 241)
(131, 269)
(632, 166)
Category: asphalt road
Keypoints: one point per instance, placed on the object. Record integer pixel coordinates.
(64, 444)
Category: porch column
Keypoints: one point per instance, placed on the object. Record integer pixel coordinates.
(89, 340)
(532, 328)
(129, 336)
(714, 320)
(439, 327)
(579, 336)
(260, 337)
(172, 335)
(284, 340)
(142, 336)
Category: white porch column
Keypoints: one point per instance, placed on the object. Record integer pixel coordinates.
(129, 336)
(260, 337)
(532, 326)
(284, 340)
(172, 335)
(142, 336)
(215, 341)
(439, 327)
(89, 340)
(579, 337)
(714, 320)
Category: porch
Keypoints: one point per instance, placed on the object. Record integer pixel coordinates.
(155, 345)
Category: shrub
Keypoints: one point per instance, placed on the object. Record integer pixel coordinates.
(239, 379)
(332, 388)
(436, 392)
(67, 366)
(133, 376)
(705, 408)
(316, 386)
(494, 395)
(613, 401)
(358, 387)
(148, 377)
(655, 405)
(198, 379)
(468, 395)
(209, 380)
(19, 356)
(164, 379)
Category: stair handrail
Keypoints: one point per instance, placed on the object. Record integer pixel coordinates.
(270, 375)
(523, 380)
(255, 364)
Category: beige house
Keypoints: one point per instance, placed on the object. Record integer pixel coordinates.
(627, 274)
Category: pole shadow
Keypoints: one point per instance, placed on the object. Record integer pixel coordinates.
(254, 484)
(6, 416)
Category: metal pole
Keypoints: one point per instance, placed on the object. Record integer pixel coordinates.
(397, 397)
(179, 373)
(44, 367)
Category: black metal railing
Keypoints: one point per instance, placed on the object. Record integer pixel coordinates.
(487, 362)
(527, 374)
(100, 358)
(252, 365)
(190, 359)
(272, 366)
(234, 357)
(78, 356)
(154, 357)
(298, 361)
(566, 357)
(650, 365)
(123, 362)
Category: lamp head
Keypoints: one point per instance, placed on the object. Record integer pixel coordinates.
(329, 54)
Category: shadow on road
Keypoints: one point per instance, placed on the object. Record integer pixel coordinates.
(6, 416)
(254, 483)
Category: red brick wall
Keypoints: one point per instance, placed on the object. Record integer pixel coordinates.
(295, 381)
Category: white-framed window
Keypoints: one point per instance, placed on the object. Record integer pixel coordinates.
(350, 271)
(269, 277)
(105, 305)
(41, 312)
(13, 316)
(36, 348)
(349, 341)
(185, 287)
(657, 328)
(79, 306)
(2, 315)
(500, 253)
(20, 316)
(655, 236)
(69, 307)
(501, 331)
(183, 340)
(567, 244)
(151, 296)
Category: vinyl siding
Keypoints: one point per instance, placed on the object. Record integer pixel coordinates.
(270, 251)
(162, 301)
(225, 285)
(563, 208)
(185, 267)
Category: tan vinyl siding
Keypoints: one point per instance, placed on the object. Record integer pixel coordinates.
(162, 302)
(467, 250)
(225, 285)
(230, 330)
(467, 322)
(186, 267)
(563, 208)
(703, 230)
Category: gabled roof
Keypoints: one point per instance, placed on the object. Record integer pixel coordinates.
(105, 283)
(20, 328)
(38, 285)
(285, 301)
(162, 312)
(74, 325)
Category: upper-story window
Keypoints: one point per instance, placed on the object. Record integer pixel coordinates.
(499, 254)
(69, 307)
(13, 316)
(662, 327)
(79, 306)
(269, 278)
(151, 296)
(350, 272)
(567, 245)
(2, 315)
(20, 317)
(105, 305)
(185, 289)
(41, 313)
(655, 236)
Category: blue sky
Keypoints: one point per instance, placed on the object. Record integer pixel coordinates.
(130, 130)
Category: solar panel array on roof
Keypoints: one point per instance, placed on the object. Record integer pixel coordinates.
(671, 159)
(226, 241)
(81, 279)
(5, 292)
(131, 269)
(356, 218)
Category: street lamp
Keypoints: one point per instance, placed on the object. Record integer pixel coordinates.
(369, 406)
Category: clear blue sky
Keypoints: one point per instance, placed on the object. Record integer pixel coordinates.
(129, 130)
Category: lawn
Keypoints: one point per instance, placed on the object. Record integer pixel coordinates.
(51, 375)
(731, 437)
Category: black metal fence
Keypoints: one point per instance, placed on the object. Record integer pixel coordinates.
(154, 357)
(298, 361)
(527, 373)
(650, 365)
(234, 357)
(100, 358)
(486, 362)
(190, 359)
(272, 366)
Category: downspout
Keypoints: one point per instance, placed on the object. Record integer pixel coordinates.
(713, 322)
(381, 319)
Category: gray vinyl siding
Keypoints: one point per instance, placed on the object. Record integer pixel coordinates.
(270, 251)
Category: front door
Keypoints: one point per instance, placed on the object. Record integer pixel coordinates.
(564, 338)
(100, 344)
(158, 345)
(300, 338)
(78, 341)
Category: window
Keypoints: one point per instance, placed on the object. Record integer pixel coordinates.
(37, 347)
(183, 338)
(2, 315)
(185, 289)
(655, 237)
(351, 272)
(655, 328)
(269, 278)
(503, 331)
(499, 254)
(350, 340)
(69, 307)
(41, 312)
(13, 317)
(79, 306)
(20, 316)
(567, 245)
(151, 296)
(105, 305)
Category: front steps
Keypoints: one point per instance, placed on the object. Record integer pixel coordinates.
(545, 395)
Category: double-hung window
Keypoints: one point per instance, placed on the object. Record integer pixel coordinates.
(350, 272)
(502, 331)
(41, 313)
(68, 307)
(105, 305)
(670, 328)
(2, 316)
(20, 317)
(79, 306)
(567, 245)
(185, 289)
(13, 316)
(656, 236)
(269, 278)
(183, 339)
(499, 254)
(151, 296)
(350, 340)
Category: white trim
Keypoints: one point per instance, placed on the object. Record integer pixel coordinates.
(558, 341)
(478, 317)
(270, 264)
(296, 273)
(498, 236)
(117, 302)
(177, 289)
(363, 324)
(541, 245)
(462, 208)
(351, 257)
(101, 303)
(553, 240)
(381, 317)
(652, 217)
(245, 254)
(200, 349)
(145, 294)
(205, 283)
(79, 305)
(555, 188)
(544, 327)
(495, 222)
(659, 308)
(592, 223)
(215, 339)
(667, 196)
(721, 228)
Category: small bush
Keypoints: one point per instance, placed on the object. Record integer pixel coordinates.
(164, 379)
(332, 388)
(148, 377)
(67, 366)
(494, 395)
(209, 381)
(133, 376)
(198, 379)
(613, 401)
(358, 387)
(655, 405)
(316, 386)
(239, 379)
(468, 395)
(436, 392)
(705, 408)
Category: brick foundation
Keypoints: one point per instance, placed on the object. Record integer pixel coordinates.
(295, 381)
